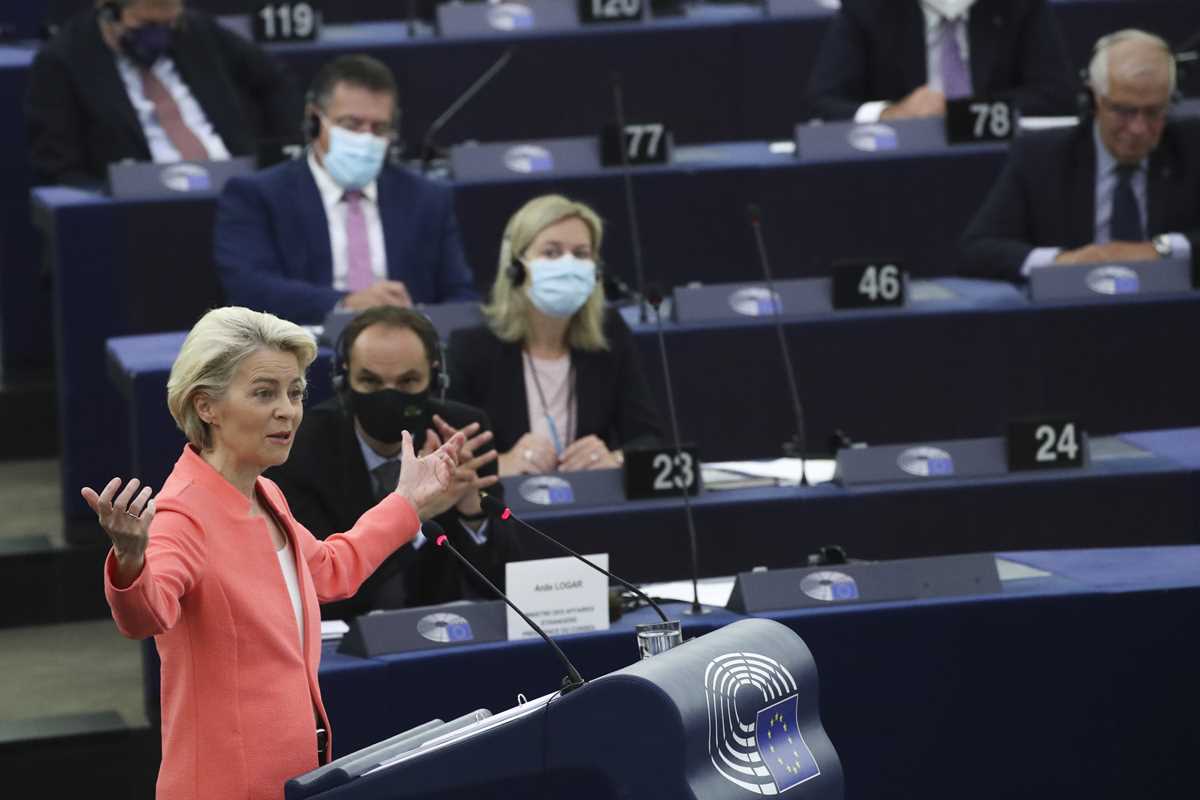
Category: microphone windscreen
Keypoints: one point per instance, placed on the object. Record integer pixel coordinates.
(492, 504)
(654, 294)
(432, 529)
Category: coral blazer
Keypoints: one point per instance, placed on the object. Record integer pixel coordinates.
(239, 693)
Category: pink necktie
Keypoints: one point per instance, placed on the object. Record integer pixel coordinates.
(358, 247)
(167, 110)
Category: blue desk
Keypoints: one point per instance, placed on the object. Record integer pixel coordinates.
(1083, 679)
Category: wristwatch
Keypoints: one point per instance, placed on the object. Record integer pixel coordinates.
(1162, 245)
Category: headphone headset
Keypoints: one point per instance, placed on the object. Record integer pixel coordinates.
(1087, 95)
(111, 11)
(439, 375)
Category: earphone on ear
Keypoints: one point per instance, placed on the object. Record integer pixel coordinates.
(439, 375)
(111, 11)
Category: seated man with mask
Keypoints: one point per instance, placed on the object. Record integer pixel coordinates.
(1123, 185)
(147, 80)
(346, 458)
(341, 227)
(900, 59)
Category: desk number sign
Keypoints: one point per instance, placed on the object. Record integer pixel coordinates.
(592, 11)
(644, 143)
(1046, 444)
(868, 284)
(286, 22)
(661, 472)
(979, 120)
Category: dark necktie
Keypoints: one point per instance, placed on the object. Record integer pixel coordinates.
(1126, 222)
(386, 476)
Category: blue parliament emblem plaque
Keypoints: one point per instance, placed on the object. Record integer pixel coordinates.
(829, 586)
(754, 738)
(528, 158)
(926, 462)
(1112, 280)
(756, 301)
(443, 627)
(510, 17)
(873, 138)
(186, 177)
(547, 490)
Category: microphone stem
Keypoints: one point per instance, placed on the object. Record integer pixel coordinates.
(574, 679)
(639, 273)
(436, 127)
(687, 500)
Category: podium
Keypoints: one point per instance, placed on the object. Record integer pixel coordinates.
(731, 713)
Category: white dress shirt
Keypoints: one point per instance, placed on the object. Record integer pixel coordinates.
(162, 151)
(333, 198)
(871, 111)
(1106, 188)
(287, 565)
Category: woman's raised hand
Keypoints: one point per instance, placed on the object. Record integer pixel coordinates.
(125, 518)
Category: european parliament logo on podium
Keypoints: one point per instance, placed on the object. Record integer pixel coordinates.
(754, 737)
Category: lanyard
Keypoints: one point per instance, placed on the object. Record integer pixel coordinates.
(559, 443)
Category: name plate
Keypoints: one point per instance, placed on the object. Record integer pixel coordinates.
(286, 21)
(1110, 281)
(579, 155)
(839, 584)
(568, 490)
(644, 143)
(869, 284)
(1046, 444)
(732, 301)
(661, 472)
(145, 180)
(960, 458)
(783, 9)
(483, 19)
(429, 628)
(593, 12)
(563, 595)
(836, 141)
(978, 119)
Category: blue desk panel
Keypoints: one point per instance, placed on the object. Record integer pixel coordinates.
(1083, 679)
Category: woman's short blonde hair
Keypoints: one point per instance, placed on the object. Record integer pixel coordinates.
(212, 353)
(508, 310)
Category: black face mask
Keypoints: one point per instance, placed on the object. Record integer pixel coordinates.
(386, 414)
(146, 44)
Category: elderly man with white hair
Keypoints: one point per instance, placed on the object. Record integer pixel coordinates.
(1123, 185)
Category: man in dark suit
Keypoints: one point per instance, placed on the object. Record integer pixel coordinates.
(340, 228)
(346, 458)
(1123, 185)
(897, 59)
(148, 81)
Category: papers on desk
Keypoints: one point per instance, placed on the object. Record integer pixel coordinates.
(779, 472)
(333, 629)
(713, 591)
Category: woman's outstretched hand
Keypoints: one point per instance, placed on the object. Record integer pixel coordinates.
(125, 518)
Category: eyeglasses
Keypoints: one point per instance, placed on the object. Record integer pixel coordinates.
(1127, 114)
(384, 130)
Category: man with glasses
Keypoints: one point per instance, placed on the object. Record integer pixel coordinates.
(1123, 185)
(341, 228)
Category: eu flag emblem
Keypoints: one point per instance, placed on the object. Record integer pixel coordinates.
(782, 748)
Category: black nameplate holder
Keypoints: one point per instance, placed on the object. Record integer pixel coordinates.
(1110, 281)
(409, 630)
(869, 283)
(959, 458)
(979, 119)
(661, 472)
(736, 301)
(564, 491)
(1054, 443)
(645, 143)
(593, 12)
(506, 19)
(282, 21)
(576, 155)
(873, 582)
(145, 180)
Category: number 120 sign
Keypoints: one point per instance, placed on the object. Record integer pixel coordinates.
(591, 11)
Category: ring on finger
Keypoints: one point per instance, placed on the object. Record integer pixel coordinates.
(595, 457)
(131, 514)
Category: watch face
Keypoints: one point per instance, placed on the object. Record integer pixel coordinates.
(1162, 246)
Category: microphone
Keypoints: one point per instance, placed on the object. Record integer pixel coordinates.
(639, 272)
(494, 505)
(794, 447)
(654, 297)
(427, 144)
(573, 679)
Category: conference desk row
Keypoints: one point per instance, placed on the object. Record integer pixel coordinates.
(744, 80)
(1079, 676)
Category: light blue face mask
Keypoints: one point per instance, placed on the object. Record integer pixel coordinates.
(559, 287)
(354, 159)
